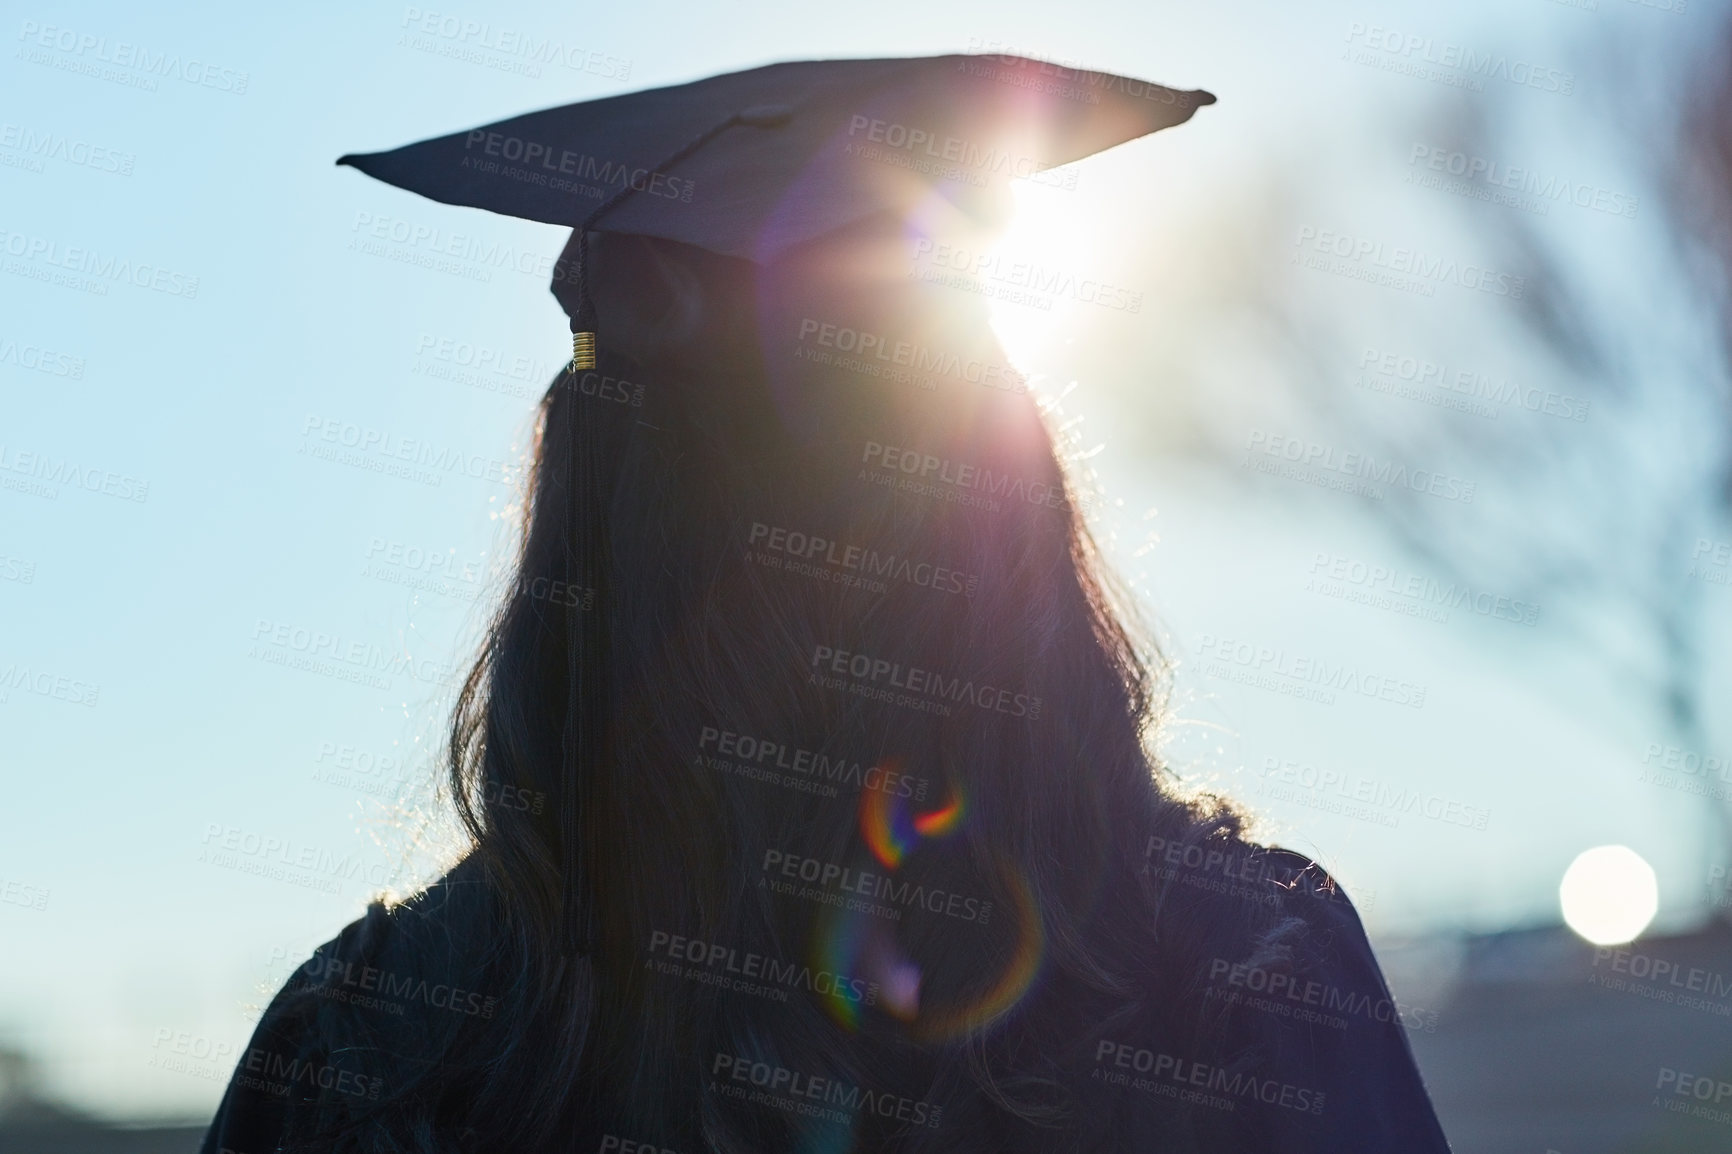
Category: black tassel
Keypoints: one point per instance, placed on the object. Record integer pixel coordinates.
(588, 493)
(586, 705)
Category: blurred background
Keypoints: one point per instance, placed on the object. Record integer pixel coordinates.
(1410, 427)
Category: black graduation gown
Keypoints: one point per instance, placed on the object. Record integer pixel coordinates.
(1322, 1063)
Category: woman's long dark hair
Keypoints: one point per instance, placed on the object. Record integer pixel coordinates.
(858, 645)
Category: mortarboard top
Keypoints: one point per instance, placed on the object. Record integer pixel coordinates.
(749, 164)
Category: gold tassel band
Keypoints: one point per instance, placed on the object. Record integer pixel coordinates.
(582, 352)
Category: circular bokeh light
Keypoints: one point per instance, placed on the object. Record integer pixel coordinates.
(1609, 895)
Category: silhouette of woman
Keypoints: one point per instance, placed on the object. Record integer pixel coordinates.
(807, 768)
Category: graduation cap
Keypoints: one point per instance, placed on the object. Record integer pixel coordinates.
(749, 164)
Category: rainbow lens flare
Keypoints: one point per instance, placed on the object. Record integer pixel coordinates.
(939, 822)
(891, 831)
(842, 940)
(939, 1023)
(858, 948)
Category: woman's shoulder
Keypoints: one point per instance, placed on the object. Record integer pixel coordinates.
(1215, 888)
(1279, 1013)
(1303, 1011)
(352, 1017)
(426, 931)
(399, 960)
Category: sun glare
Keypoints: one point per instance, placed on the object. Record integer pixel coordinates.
(1046, 240)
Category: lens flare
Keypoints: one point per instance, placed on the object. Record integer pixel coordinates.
(1013, 981)
(886, 827)
(891, 831)
(841, 940)
(939, 822)
(863, 964)
(894, 974)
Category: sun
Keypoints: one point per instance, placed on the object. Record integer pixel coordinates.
(1045, 241)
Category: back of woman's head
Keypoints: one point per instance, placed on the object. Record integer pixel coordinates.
(861, 851)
